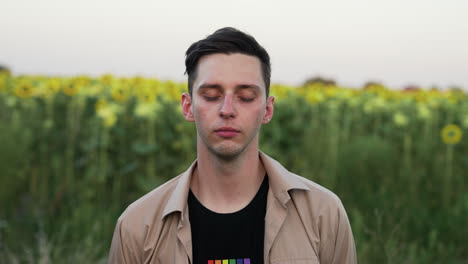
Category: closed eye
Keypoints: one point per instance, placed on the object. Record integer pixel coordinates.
(247, 99)
(211, 98)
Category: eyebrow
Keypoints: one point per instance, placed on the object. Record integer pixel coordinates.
(238, 87)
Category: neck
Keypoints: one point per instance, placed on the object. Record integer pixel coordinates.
(227, 185)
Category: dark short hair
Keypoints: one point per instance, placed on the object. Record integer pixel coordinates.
(226, 40)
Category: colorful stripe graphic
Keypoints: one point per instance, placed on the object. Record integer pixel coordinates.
(229, 261)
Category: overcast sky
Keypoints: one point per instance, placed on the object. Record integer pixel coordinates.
(398, 42)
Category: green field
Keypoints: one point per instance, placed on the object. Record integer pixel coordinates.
(75, 152)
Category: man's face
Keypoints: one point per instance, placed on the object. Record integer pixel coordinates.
(228, 104)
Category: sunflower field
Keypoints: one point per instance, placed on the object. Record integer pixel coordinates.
(76, 151)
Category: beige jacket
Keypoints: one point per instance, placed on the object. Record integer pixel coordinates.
(304, 223)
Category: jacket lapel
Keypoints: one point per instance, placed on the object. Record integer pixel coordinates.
(274, 219)
(281, 182)
(184, 236)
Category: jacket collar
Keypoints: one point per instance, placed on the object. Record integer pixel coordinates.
(177, 201)
(281, 182)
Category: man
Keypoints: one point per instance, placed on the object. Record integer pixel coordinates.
(234, 204)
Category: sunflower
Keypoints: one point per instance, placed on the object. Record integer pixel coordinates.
(24, 90)
(314, 96)
(120, 93)
(50, 87)
(147, 110)
(146, 95)
(71, 89)
(107, 79)
(280, 91)
(3, 83)
(100, 104)
(107, 112)
(451, 134)
(424, 113)
(400, 119)
(54, 85)
(109, 117)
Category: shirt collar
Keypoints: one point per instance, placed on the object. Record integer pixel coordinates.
(280, 179)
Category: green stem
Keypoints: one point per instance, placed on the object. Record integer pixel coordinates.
(376, 124)
(150, 168)
(74, 114)
(102, 156)
(407, 175)
(333, 127)
(448, 173)
(45, 153)
(407, 151)
(346, 124)
(70, 143)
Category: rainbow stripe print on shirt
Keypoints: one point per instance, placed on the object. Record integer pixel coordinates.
(230, 261)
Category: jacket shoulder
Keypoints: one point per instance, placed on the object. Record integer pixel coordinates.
(141, 222)
(327, 220)
(316, 196)
(315, 188)
(148, 209)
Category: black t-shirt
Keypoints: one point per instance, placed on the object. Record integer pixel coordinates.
(233, 238)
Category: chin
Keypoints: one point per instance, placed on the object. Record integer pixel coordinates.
(226, 152)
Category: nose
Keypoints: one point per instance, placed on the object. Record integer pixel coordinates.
(227, 108)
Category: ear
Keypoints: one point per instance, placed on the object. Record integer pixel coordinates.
(186, 102)
(269, 110)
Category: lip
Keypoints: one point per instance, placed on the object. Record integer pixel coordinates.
(227, 132)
